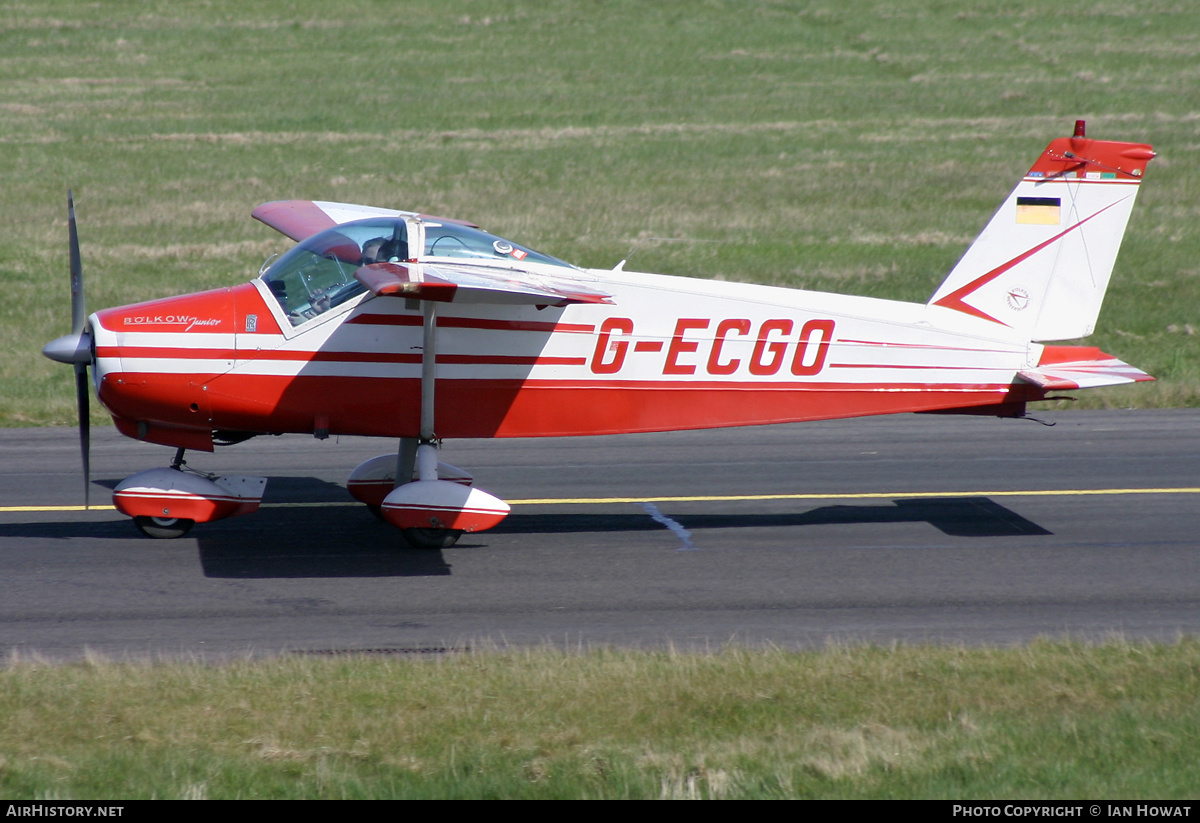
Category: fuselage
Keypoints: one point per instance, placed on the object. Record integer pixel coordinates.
(667, 353)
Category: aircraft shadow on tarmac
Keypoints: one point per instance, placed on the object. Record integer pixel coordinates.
(349, 542)
(310, 540)
(955, 516)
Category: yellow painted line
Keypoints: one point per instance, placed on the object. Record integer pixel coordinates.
(725, 498)
(715, 498)
(56, 508)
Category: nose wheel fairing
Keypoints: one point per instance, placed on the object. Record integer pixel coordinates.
(163, 495)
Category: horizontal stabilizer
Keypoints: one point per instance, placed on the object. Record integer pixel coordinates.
(1080, 367)
(474, 284)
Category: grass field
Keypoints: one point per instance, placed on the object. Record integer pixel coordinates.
(1052, 721)
(851, 146)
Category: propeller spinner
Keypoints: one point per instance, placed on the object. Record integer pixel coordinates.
(76, 348)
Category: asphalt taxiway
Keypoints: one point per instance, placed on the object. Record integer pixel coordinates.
(914, 528)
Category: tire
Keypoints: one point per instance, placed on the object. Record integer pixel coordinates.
(163, 528)
(431, 538)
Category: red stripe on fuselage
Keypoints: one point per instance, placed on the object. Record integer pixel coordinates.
(883, 344)
(332, 356)
(472, 323)
(933, 366)
(516, 408)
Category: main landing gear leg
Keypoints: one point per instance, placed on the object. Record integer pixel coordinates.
(371, 482)
(430, 512)
(436, 537)
(406, 460)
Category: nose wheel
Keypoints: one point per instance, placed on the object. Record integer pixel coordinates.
(163, 527)
(166, 502)
(431, 538)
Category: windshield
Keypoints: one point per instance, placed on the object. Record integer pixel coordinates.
(453, 240)
(318, 274)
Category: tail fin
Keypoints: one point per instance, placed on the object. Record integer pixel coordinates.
(1042, 264)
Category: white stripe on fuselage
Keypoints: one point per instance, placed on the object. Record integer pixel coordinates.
(668, 331)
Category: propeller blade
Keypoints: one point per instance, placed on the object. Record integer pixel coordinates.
(85, 438)
(78, 305)
(81, 348)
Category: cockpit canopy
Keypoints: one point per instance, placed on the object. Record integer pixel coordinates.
(318, 274)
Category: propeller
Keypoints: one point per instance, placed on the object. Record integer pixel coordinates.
(76, 348)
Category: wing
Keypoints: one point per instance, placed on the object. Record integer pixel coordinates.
(476, 284)
(301, 219)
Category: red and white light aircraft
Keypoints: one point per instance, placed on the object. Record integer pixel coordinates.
(402, 325)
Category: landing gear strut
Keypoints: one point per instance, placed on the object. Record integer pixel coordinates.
(433, 513)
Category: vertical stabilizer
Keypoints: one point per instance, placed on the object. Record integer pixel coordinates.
(1042, 265)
